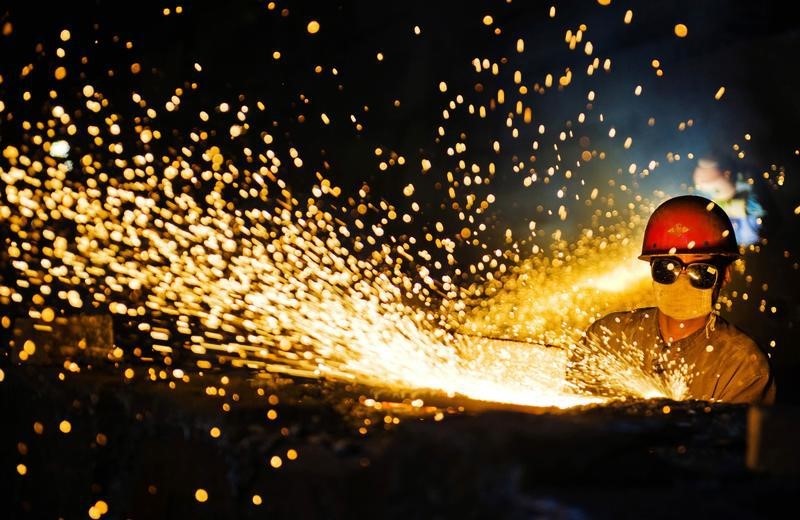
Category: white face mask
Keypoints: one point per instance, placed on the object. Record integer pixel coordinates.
(681, 301)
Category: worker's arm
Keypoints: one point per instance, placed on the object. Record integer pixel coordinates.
(585, 370)
(750, 381)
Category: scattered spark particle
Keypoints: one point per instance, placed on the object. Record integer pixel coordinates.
(720, 93)
(417, 30)
(442, 86)
(65, 35)
(291, 454)
(681, 30)
(527, 116)
(60, 73)
(98, 509)
(313, 27)
(28, 349)
(22, 469)
(628, 16)
(666, 409)
(257, 500)
(201, 495)
(60, 149)
(215, 432)
(604, 2)
(565, 79)
(488, 20)
(275, 462)
(48, 315)
(2, 375)
(64, 426)
(426, 165)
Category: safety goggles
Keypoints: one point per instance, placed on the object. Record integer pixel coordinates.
(666, 269)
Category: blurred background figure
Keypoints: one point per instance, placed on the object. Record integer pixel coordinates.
(714, 178)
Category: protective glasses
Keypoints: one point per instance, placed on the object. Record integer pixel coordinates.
(665, 270)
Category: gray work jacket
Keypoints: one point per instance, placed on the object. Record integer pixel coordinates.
(718, 363)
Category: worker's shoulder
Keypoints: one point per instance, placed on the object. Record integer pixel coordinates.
(618, 319)
(727, 330)
(739, 344)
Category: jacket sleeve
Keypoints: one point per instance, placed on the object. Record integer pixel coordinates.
(584, 373)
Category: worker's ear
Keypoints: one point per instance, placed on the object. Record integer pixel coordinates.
(726, 276)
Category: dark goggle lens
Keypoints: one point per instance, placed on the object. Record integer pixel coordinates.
(665, 270)
(701, 275)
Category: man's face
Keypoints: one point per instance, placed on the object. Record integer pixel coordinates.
(686, 286)
(712, 181)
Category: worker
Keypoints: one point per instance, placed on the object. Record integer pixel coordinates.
(714, 180)
(690, 244)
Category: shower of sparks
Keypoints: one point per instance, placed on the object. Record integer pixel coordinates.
(620, 373)
(267, 291)
(211, 250)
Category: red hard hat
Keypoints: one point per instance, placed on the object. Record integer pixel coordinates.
(689, 224)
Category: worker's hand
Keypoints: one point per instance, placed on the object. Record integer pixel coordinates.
(735, 208)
